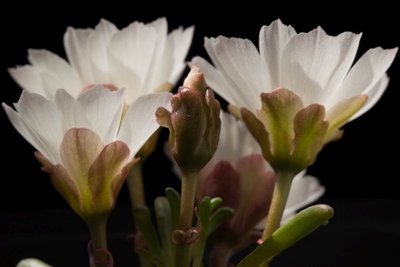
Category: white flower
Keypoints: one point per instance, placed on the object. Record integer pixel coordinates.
(315, 66)
(142, 58)
(81, 142)
(307, 86)
(32, 263)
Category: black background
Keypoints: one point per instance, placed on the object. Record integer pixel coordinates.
(364, 164)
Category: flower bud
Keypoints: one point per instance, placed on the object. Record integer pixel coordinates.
(194, 123)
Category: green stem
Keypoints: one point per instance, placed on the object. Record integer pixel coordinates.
(188, 194)
(135, 186)
(98, 235)
(279, 199)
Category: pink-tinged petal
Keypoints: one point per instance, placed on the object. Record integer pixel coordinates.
(105, 169)
(241, 64)
(79, 149)
(257, 185)
(272, 41)
(366, 73)
(258, 131)
(310, 129)
(221, 180)
(140, 120)
(374, 95)
(341, 113)
(62, 181)
(277, 114)
(119, 180)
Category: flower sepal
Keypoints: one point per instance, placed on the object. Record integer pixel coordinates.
(92, 174)
(291, 135)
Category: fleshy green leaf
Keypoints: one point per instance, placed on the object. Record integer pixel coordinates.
(215, 203)
(144, 223)
(175, 203)
(204, 209)
(301, 225)
(219, 217)
(164, 225)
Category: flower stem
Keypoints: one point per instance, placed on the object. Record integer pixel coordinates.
(135, 186)
(278, 203)
(279, 199)
(101, 255)
(189, 184)
(188, 194)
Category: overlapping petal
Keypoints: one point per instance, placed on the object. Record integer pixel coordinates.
(82, 143)
(142, 58)
(314, 65)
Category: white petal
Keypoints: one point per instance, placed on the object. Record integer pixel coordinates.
(48, 61)
(374, 94)
(304, 191)
(32, 263)
(241, 64)
(314, 63)
(216, 80)
(134, 47)
(156, 74)
(72, 114)
(365, 74)
(97, 45)
(235, 140)
(25, 131)
(29, 78)
(272, 41)
(43, 118)
(124, 77)
(76, 47)
(140, 120)
(48, 73)
(103, 109)
(180, 41)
